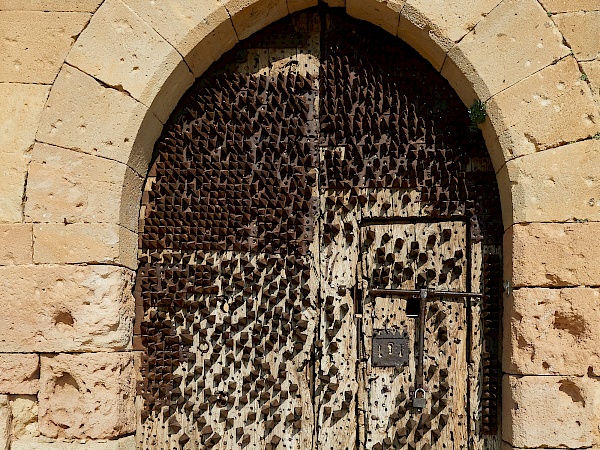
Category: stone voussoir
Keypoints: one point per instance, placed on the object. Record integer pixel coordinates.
(66, 186)
(249, 16)
(552, 254)
(515, 40)
(552, 331)
(433, 28)
(200, 30)
(87, 396)
(122, 50)
(66, 308)
(550, 411)
(19, 373)
(591, 69)
(87, 116)
(298, 5)
(383, 13)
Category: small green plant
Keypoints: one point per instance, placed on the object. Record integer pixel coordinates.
(549, 14)
(477, 114)
(583, 77)
(596, 136)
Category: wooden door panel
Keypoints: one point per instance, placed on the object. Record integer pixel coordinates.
(336, 377)
(416, 249)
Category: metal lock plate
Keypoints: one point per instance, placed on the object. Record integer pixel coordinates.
(390, 349)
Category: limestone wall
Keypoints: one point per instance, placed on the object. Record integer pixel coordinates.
(85, 86)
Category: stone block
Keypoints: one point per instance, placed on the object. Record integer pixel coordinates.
(84, 115)
(65, 186)
(17, 244)
(556, 185)
(552, 331)
(548, 109)
(515, 40)
(250, 16)
(126, 443)
(27, 58)
(550, 412)
(19, 373)
(20, 113)
(5, 423)
(12, 186)
(123, 51)
(578, 28)
(87, 396)
(200, 30)
(66, 308)
(50, 5)
(591, 69)
(432, 28)
(91, 243)
(24, 410)
(383, 13)
(552, 254)
(555, 6)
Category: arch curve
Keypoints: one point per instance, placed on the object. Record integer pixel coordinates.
(132, 63)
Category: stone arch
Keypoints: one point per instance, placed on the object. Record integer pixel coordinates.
(127, 69)
(105, 111)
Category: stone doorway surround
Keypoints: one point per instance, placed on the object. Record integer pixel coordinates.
(85, 90)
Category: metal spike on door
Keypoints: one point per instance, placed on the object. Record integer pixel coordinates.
(419, 399)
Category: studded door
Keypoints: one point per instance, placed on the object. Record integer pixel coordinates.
(274, 185)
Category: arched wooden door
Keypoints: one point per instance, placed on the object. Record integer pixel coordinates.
(316, 214)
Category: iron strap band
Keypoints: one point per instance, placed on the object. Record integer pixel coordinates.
(419, 292)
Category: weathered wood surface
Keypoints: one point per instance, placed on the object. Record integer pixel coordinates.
(390, 419)
(282, 349)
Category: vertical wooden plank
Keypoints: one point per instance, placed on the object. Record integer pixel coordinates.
(336, 383)
(309, 54)
(387, 388)
(445, 367)
(476, 350)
